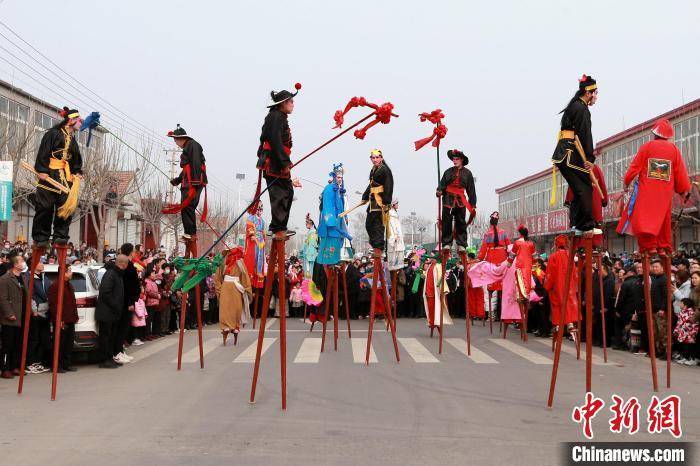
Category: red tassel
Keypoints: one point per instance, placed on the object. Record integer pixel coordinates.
(256, 202)
(176, 208)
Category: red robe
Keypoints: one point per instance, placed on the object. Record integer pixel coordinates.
(554, 284)
(489, 252)
(661, 171)
(475, 297)
(524, 250)
(430, 294)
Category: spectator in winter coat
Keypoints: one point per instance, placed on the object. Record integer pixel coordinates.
(39, 345)
(109, 310)
(629, 301)
(13, 296)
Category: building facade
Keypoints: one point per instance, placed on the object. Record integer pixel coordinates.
(527, 201)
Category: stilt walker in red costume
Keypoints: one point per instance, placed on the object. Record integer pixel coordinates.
(554, 283)
(660, 171)
(494, 247)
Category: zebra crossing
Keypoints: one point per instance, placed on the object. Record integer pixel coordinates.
(486, 351)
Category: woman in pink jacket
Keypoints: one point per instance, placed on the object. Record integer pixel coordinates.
(152, 303)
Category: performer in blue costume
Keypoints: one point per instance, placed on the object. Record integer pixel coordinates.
(332, 230)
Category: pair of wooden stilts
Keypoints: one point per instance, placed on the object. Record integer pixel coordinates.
(445, 255)
(37, 252)
(586, 267)
(191, 252)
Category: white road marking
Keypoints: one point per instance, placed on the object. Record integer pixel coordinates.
(270, 322)
(477, 356)
(568, 349)
(151, 349)
(359, 350)
(310, 351)
(525, 353)
(193, 354)
(248, 355)
(416, 350)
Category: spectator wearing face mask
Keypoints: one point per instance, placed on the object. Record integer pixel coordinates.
(13, 298)
(69, 318)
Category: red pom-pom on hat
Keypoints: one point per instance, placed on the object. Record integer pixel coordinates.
(297, 86)
(583, 78)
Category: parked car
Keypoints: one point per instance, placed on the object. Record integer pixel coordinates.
(86, 287)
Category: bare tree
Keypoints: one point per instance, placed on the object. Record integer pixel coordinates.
(111, 174)
(17, 144)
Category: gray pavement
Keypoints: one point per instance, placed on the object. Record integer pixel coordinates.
(427, 409)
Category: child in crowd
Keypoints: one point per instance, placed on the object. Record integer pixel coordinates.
(295, 301)
(138, 319)
(686, 332)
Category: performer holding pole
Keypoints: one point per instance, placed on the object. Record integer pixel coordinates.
(574, 156)
(254, 258)
(274, 165)
(378, 195)
(309, 253)
(660, 171)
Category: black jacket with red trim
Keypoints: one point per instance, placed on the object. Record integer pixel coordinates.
(466, 179)
(276, 133)
(192, 156)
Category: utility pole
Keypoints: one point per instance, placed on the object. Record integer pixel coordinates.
(173, 162)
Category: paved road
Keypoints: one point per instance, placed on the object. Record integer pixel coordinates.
(428, 409)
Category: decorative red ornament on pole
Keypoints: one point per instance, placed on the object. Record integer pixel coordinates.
(439, 132)
(382, 113)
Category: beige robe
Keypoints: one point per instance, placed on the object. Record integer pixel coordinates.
(233, 312)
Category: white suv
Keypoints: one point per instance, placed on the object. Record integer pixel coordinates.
(86, 288)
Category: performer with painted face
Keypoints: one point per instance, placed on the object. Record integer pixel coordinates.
(58, 158)
(456, 181)
(378, 194)
(192, 180)
(309, 250)
(494, 249)
(332, 229)
(574, 156)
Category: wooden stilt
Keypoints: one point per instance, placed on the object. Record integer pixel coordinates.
(560, 332)
(263, 317)
(58, 321)
(327, 304)
(283, 321)
(490, 293)
(577, 341)
(190, 252)
(669, 314)
(599, 262)
(305, 310)
(505, 328)
(445, 257)
(468, 318)
(523, 317)
(335, 308)
(255, 306)
(37, 252)
(373, 301)
(588, 244)
(650, 320)
(394, 277)
(392, 322)
(346, 297)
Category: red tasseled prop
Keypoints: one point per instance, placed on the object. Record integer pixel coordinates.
(383, 114)
(439, 132)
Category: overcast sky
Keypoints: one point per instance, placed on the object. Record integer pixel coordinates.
(501, 71)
